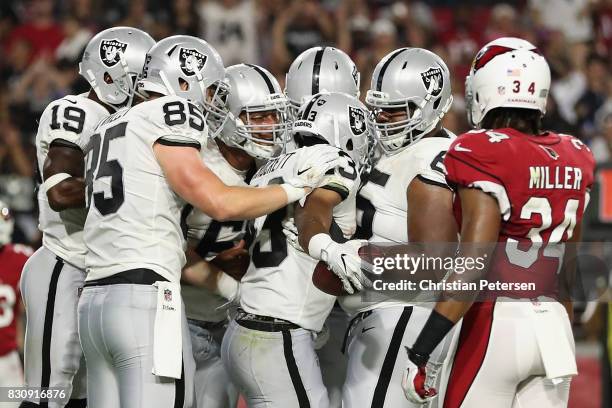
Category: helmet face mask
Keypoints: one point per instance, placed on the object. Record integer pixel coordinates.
(112, 61)
(397, 125)
(263, 130)
(7, 224)
(257, 121)
(410, 93)
(215, 107)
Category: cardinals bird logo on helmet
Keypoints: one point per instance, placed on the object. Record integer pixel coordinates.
(111, 50)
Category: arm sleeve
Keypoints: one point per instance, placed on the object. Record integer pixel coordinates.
(172, 123)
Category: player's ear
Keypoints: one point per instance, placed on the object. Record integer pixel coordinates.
(107, 78)
(183, 84)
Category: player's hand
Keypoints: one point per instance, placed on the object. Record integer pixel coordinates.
(344, 261)
(291, 232)
(233, 261)
(312, 167)
(414, 382)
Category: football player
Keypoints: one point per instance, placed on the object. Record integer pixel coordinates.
(255, 130)
(316, 70)
(410, 93)
(280, 308)
(143, 164)
(12, 259)
(524, 190)
(54, 274)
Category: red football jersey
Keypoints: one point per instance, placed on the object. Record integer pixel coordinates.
(12, 259)
(541, 184)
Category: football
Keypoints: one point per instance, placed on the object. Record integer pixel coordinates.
(326, 280)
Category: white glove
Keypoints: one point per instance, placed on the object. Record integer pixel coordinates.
(417, 382)
(343, 260)
(312, 167)
(291, 232)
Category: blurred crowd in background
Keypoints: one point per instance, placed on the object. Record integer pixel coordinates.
(42, 41)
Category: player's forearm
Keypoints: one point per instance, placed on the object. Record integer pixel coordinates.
(245, 203)
(70, 193)
(206, 275)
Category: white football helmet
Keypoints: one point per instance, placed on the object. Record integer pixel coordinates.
(415, 80)
(320, 69)
(6, 224)
(508, 72)
(254, 90)
(183, 61)
(336, 118)
(118, 52)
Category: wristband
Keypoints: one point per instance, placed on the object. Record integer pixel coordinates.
(436, 327)
(318, 244)
(55, 180)
(293, 193)
(227, 286)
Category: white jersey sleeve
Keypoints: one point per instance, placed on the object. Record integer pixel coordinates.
(174, 121)
(69, 121)
(134, 218)
(429, 157)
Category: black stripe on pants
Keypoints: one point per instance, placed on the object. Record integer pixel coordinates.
(300, 391)
(179, 388)
(380, 392)
(48, 329)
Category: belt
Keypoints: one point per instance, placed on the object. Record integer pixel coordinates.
(207, 325)
(358, 318)
(140, 276)
(263, 323)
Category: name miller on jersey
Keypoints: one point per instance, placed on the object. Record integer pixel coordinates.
(565, 177)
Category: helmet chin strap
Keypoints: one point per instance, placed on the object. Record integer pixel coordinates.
(96, 88)
(200, 79)
(167, 85)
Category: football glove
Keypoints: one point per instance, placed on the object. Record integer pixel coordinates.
(418, 378)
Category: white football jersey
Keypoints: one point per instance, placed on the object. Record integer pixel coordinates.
(278, 282)
(209, 237)
(134, 216)
(382, 206)
(73, 119)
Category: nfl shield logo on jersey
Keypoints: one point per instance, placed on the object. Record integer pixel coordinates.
(191, 61)
(167, 295)
(432, 80)
(357, 120)
(110, 51)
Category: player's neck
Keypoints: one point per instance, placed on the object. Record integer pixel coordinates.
(236, 158)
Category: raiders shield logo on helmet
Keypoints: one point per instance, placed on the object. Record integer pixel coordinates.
(432, 80)
(192, 61)
(110, 51)
(357, 120)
